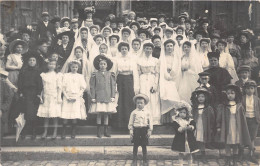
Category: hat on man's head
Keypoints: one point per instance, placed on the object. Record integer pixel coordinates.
(244, 68)
(213, 55)
(143, 96)
(204, 74)
(45, 14)
(55, 19)
(74, 20)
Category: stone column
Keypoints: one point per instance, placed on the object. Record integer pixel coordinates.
(125, 5)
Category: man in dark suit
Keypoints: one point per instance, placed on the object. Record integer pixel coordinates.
(44, 26)
(64, 50)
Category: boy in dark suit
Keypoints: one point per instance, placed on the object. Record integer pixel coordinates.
(44, 26)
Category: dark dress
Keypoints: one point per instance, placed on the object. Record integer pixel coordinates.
(219, 78)
(179, 140)
(156, 52)
(41, 30)
(30, 85)
(63, 53)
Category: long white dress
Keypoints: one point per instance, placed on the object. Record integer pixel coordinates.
(226, 61)
(189, 76)
(52, 84)
(73, 86)
(169, 74)
(148, 69)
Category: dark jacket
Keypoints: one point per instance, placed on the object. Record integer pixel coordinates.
(41, 31)
(102, 86)
(64, 53)
(208, 120)
(223, 118)
(178, 143)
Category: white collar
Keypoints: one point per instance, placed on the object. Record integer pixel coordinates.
(207, 85)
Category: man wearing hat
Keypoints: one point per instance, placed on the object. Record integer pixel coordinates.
(67, 41)
(140, 126)
(219, 77)
(75, 27)
(56, 22)
(214, 39)
(43, 26)
(244, 73)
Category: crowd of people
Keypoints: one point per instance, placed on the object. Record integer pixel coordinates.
(180, 71)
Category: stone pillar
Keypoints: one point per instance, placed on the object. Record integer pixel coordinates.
(125, 5)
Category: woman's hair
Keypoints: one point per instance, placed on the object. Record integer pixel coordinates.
(17, 44)
(103, 44)
(187, 43)
(78, 47)
(45, 70)
(123, 44)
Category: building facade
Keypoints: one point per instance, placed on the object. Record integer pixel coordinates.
(225, 14)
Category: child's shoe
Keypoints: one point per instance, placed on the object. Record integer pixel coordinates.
(106, 133)
(99, 131)
(63, 132)
(73, 131)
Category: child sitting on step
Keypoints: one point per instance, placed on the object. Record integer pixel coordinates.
(140, 126)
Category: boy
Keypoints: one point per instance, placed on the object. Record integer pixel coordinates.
(204, 78)
(244, 72)
(251, 104)
(140, 126)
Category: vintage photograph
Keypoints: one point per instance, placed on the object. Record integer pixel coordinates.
(129, 83)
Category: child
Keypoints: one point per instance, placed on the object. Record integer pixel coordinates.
(50, 108)
(204, 78)
(29, 89)
(184, 127)
(251, 104)
(140, 126)
(203, 115)
(73, 106)
(102, 92)
(56, 57)
(244, 72)
(231, 123)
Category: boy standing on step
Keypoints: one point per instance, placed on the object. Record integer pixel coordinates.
(140, 126)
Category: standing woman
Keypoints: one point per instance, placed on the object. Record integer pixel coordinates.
(148, 69)
(169, 74)
(203, 50)
(127, 84)
(226, 61)
(190, 68)
(14, 60)
(113, 40)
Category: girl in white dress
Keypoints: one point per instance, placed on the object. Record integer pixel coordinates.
(50, 106)
(73, 106)
(226, 61)
(148, 69)
(169, 74)
(190, 68)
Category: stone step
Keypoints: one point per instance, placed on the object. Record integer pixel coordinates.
(92, 130)
(85, 140)
(90, 153)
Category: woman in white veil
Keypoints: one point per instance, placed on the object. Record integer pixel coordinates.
(170, 71)
(190, 68)
(124, 37)
(106, 32)
(203, 50)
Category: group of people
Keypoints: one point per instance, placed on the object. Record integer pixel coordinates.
(137, 72)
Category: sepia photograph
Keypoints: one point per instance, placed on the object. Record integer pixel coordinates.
(129, 83)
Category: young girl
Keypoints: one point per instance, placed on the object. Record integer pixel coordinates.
(231, 123)
(73, 106)
(251, 104)
(56, 57)
(29, 89)
(50, 108)
(203, 115)
(102, 92)
(184, 140)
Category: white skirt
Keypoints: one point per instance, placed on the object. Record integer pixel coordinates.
(74, 110)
